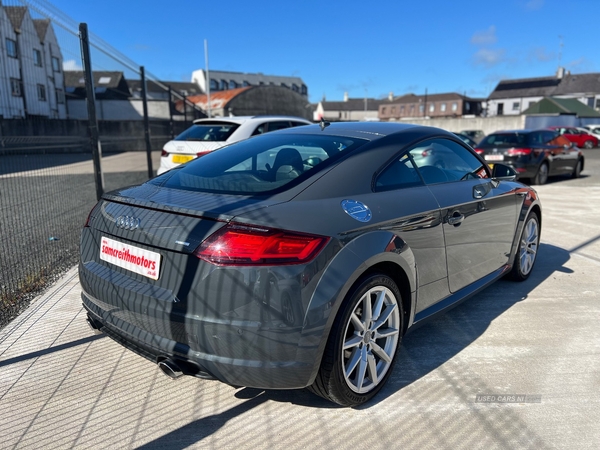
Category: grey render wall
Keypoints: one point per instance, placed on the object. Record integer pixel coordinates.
(486, 124)
(132, 109)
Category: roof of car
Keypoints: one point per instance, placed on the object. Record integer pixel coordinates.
(242, 119)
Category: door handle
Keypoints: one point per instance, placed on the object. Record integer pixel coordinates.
(456, 219)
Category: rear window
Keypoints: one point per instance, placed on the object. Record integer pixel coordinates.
(260, 165)
(216, 132)
(508, 139)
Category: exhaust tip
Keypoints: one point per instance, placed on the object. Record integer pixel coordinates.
(170, 368)
(93, 325)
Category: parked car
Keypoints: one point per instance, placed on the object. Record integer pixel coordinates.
(534, 154)
(593, 129)
(578, 137)
(289, 260)
(467, 140)
(206, 135)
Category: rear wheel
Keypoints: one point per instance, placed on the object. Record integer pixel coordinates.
(577, 170)
(588, 144)
(528, 248)
(363, 343)
(542, 174)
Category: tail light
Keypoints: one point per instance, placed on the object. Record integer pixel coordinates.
(426, 152)
(164, 153)
(250, 245)
(89, 217)
(479, 151)
(519, 151)
(199, 154)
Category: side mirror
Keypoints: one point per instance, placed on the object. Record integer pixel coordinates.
(504, 172)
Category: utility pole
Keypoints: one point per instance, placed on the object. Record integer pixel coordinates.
(208, 109)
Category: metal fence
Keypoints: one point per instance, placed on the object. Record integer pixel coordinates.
(47, 173)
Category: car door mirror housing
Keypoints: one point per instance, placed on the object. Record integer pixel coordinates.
(504, 172)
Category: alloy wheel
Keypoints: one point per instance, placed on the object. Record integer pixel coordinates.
(529, 246)
(370, 339)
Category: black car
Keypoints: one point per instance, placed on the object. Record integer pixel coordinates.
(534, 154)
(300, 258)
(467, 139)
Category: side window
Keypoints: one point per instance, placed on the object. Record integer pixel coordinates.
(262, 128)
(274, 126)
(443, 160)
(399, 174)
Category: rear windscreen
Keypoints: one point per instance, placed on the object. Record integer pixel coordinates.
(263, 164)
(510, 140)
(218, 132)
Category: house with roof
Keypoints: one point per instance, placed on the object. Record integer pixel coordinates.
(513, 97)
(349, 109)
(430, 106)
(118, 98)
(31, 74)
(223, 81)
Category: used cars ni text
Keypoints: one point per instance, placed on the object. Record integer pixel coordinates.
(534, 154)
(206, 135)
(300, 258)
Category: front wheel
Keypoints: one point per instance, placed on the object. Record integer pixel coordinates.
(577, 170)
(542, 174)
(528, 248)
(588, 144)
(362, 346)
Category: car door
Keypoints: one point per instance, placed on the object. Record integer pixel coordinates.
(479, 214)
(563, 153)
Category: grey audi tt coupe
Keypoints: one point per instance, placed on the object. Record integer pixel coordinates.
(300, 258)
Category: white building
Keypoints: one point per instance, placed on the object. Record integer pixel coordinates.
(31, 76)
(512, 97)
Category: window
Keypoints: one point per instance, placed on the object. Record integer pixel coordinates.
(37, 57)
(402, 110)
(273, 163)
(232, 84)
(223, 86)
(393, 110)
(304, 90)
(295, 87)
(530, 104)
(443, 107)
(55, 64)
(432, 107)
(214, 132)
(15, 86)
(214, 85)
(598, 103)
(60, 97)
(11, 48)
(515, 106)
(399, 174)
(383, 110)
(500, 109)
(41, 91)
(412, 109)
(590, 102)
(442, 161)
(454, 106)
(421, 108)
(245, 83)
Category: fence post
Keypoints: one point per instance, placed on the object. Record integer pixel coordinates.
(171, 125)
(90, 97)
(146, 124)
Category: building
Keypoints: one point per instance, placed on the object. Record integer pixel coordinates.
(431, 106)
(223, 81)
(251, 101)
(512, 97)
(31, 73)
(120, 99)
(349, 109)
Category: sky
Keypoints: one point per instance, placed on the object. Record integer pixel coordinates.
(359, 47)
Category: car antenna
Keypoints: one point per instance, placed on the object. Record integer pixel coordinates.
(324, 124)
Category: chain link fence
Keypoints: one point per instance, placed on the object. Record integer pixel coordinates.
(48, 180)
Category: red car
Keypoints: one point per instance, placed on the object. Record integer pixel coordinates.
(579, 137)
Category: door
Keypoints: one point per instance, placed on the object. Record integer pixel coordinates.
(478, 214)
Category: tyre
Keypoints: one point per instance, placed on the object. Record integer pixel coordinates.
(363, 343)
(528, 248)
(588, 144)
(577, 170)
(542, 174)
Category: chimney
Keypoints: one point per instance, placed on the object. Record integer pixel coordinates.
(391, 96)
(560, 73)
(345, 96)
